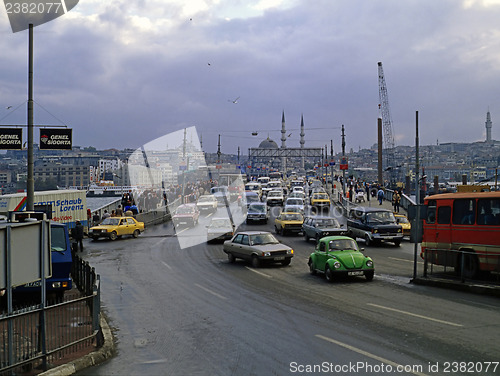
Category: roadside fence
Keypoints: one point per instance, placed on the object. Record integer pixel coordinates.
(465, 264)
(43, 335)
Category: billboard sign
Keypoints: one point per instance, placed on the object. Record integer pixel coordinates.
(55, 138)
(11, 139)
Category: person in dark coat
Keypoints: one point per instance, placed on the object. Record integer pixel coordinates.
(78, 235)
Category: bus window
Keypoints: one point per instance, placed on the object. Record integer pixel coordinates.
(444, 215)
(488, 212)
(464, 211)
(431, 212)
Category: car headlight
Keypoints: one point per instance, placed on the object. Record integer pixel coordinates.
(336, 265)
(399, 230)
(369, 263)
(290, 252)
(266, 253)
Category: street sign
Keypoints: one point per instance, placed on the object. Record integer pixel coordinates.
(343, 163)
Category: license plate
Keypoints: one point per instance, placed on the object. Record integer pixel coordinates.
(279, 258)
(355, 273)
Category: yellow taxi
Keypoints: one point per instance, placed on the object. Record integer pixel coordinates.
(115, 227)
(288, 222)
(320, 199)
(402, 220)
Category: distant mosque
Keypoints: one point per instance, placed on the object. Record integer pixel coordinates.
(269, 155)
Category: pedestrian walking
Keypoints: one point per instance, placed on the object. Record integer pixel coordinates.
(380, 196)
(78, 235)
(396, 199)
(119, 211)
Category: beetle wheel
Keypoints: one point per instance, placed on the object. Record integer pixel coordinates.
(329, 274)
(312, 270)
(369, 275)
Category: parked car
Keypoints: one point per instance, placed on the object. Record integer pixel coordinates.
(115, 227)
(257, 212)
(288, 222)
(318, 227)
(258, 247)
(275, 197)
(402, 220)
(373, 225)
(186, 214)
(294, 204)
(207, 203)
(337, 256)
(220, 229)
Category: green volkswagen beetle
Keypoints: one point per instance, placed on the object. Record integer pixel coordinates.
(340, 256)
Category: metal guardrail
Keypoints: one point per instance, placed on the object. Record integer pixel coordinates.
(39, 334)
(461, 264)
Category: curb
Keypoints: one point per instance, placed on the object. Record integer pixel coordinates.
(470, 287)
(105, 352)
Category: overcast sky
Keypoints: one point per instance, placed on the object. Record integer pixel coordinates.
(122, 73)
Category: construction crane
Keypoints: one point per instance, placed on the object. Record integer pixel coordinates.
(385, 114)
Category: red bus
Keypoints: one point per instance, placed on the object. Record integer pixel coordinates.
(462, 230)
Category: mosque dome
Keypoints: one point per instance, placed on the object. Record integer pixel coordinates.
(268, 144)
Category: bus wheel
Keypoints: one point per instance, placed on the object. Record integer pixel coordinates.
(470, 267)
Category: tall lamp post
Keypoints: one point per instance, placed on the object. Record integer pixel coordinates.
(30, 179)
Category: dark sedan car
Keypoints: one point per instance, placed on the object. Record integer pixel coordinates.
(320, 226)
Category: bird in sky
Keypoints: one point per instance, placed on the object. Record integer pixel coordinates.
(255, 133)
(8, 107)
(234, 101)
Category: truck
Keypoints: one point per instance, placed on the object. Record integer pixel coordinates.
(62, 206)
(60, 257)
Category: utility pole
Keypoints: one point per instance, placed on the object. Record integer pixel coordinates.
(417, 194)
(30, 180)
(343, 154)
(331, 159)
(219, 166)
(184, 161)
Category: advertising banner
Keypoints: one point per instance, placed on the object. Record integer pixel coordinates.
(11, 138)
(55, 138)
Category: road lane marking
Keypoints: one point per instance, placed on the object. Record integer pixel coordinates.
(210, 291)
(414, 315)
(180, 232)
(367, 354)
(400, 259)
(256, 271)
(168, 266)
